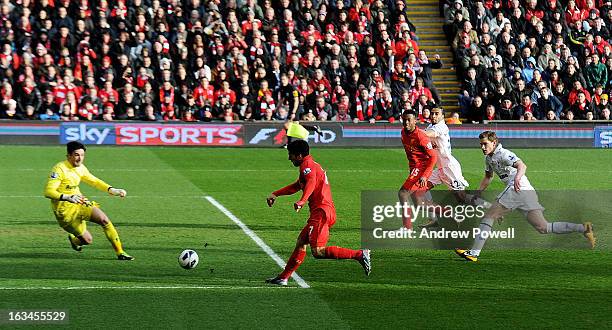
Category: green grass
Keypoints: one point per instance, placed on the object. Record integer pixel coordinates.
(165, 213)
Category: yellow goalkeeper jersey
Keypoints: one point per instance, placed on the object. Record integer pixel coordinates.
(65, 179)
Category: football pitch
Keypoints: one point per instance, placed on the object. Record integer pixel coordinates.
(169, 209)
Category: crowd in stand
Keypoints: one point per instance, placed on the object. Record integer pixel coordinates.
(212, 60)
(532, 60)
(344, 60)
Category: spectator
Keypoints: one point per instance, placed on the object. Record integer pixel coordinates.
(423, 106)
(490, 114)
(506, 109)
(476, 110)
(603, 104)
(453, 119)
(605, 114)
(364, 108)
(548, 102)
(582, 105)
(595, 73)
(470, 88)
(342, 111)
(527, 106)
(322, 110)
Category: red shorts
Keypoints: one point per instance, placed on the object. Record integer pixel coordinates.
(411, 183)
(316, 231)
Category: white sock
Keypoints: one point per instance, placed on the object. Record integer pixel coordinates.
(485, 226)
(564, 227)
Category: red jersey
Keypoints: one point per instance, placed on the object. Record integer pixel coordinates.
(419, 151)
(314, 184)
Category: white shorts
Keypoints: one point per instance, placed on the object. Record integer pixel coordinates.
(449, 175)
(524, 200)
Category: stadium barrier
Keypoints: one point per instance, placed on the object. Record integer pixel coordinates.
(259, 134)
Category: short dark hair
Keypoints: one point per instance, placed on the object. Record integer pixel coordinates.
(298, 147)
(409, 112)
(73, 146)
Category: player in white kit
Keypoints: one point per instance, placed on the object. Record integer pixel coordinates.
(448, 169)
(518, 194)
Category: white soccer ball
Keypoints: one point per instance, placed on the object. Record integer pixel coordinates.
(188, 259)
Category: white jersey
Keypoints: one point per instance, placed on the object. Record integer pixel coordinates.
(449, 170)
(501, 162)
(442, 140)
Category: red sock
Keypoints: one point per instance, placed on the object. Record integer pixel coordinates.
(335, 252)
(293, 263)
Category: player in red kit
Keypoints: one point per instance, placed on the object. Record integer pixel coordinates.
(421, 157)
(316, 191)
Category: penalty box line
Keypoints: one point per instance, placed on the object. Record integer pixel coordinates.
(265, 247)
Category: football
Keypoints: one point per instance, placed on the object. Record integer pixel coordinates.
(188, 259)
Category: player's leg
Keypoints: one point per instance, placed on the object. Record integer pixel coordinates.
(427, 199)
(412, 194)
(98, 216)
(538, 221)
(404, 198)
(318, 237)
(78, 235)
(423, 197)
(496, 211)
(294, 261)
(454, 180)
(71, 220)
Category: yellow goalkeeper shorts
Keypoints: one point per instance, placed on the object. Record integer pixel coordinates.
(73, 217)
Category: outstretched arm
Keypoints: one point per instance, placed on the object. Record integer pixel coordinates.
(93, 181)
(288, 190)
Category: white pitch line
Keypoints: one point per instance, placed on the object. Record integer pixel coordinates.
(210, 287)
(267, 249)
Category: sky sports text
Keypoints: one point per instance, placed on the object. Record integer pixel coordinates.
(459, 213)
(129, 134)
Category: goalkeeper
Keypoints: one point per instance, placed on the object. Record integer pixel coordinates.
(72, 210)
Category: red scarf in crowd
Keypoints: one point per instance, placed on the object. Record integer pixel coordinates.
(255, 51)
(359, 106)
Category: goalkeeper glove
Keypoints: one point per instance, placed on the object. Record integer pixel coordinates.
(76, 199)
(117, 192)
